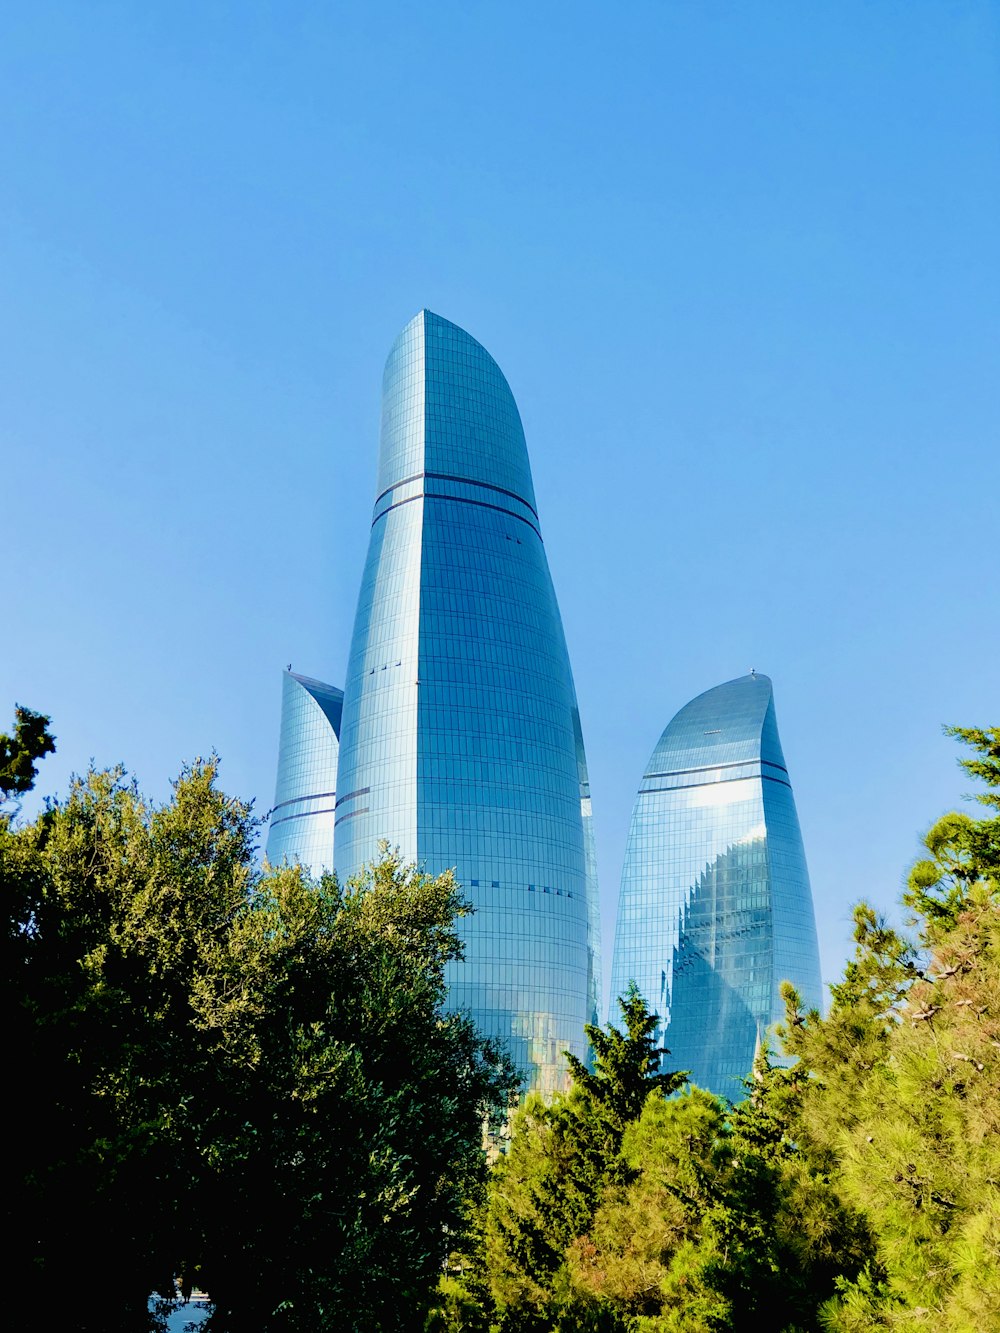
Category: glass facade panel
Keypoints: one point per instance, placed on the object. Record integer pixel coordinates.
(461, 742)
(715, 908)
(300, 827)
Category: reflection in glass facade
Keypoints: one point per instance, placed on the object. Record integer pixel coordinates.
(461, 741)
(715, 908)
(301, 823)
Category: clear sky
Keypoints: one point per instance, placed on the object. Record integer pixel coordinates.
(739, 263)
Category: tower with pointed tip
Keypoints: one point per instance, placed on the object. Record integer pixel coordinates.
(461, 741)
(300, 827)
(715, 909)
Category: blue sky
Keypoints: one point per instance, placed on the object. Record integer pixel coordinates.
(739, 263)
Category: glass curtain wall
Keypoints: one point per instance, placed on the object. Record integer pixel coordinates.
(300, 827)
(715, 908)
(461, 741)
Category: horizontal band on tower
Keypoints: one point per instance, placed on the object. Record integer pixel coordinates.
(458, 499)
(297, 800)
(465, 481)
(709, 768)
(302, 814)
(686, 786)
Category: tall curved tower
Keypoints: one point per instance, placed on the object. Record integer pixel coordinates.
(460, 741)
(715, 908)
(301, 823)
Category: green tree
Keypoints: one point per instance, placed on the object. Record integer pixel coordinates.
(626, 1064)
(903, 1089)
(234, 1075)
(365, 1102)
(563, 1156)
(95, 1007)
(855, 1190)
(30, 741)
(720, 1221)
(643, 1239)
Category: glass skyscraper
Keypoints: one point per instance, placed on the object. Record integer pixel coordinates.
(301, 823)
(715, 908)
(461, 740)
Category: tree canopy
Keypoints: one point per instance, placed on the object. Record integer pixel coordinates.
(234, 1075)
(856, 1188)
(30, 741)
(249, 1080)
(900, 1083)
(689, 1216)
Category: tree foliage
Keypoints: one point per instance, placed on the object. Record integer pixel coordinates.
(30, 741)
(626, 1064)
(857, 1189)
(686, 1214)
(241, 1077)
(249, 1080)
(903, 1086)
(562, 1158)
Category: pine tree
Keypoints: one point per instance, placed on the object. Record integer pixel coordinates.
(903, 1093)
(626, 1064)
(563, 1157)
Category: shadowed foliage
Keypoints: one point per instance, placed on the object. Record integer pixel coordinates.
(237, 1076)
(30, 741)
